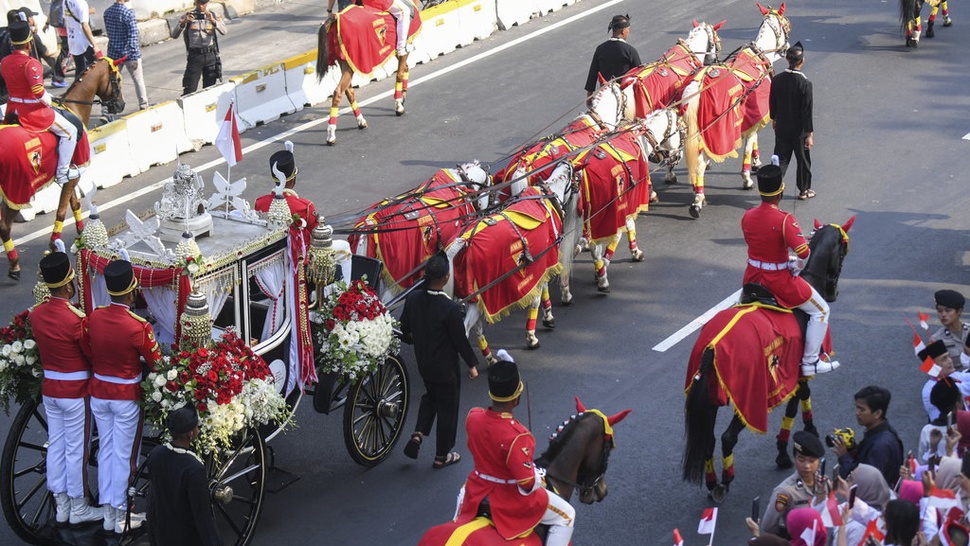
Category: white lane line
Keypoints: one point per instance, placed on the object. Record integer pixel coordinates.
(696, 323)
(966, 136)
(311, 124)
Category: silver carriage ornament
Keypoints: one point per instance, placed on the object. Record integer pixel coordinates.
(195, 323)
(183, 207)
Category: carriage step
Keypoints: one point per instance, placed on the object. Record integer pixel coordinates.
(278, 479)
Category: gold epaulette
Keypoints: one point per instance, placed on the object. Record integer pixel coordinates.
(136, 317)
(76, 311)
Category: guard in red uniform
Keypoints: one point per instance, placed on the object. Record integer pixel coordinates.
(403, 12)
(24, 77)
(116, 340)
(283, 167)
(56, 325)
(770, 233)
(504, 471)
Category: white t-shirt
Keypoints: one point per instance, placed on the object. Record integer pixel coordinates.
(76, 13)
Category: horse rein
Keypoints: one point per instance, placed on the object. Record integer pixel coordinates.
(587, 487)
(111, 103)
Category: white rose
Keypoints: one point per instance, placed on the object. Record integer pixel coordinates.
(17, 346)
(160, 381)
(31, 359)
(18, 360)
(157, 396)
(5, 351)
(172, 374)
(3, 365)
(166, 404)
(29, 344)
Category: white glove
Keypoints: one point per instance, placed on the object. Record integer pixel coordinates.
(796, 265)
(538, 483)
(45, 98)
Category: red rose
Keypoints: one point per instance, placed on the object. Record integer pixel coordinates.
(203, 408)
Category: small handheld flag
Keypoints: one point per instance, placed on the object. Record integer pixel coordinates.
(922, 320)
(228, 141)
(678, 540)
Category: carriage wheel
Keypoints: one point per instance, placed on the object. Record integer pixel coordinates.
(27, 505)
(238, 483)
(375, 411)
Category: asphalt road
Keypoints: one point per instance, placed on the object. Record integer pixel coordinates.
(889, 123)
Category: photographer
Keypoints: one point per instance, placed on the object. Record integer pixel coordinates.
(880, 446)
(201, 45)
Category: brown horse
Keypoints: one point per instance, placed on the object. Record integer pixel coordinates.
(359, 39)
(23, 175)
(575, 460)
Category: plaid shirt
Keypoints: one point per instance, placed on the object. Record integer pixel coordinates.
(122, 29)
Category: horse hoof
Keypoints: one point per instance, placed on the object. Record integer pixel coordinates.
(566, 302)
(532, 344)
(331, 142)
(947, 22)
(399, 107)
(930, 33)
(550, 324)
(603, 289)
(783, 461)
(361, 123)
(695, 211)
(15, 275)
(747, 183)
(671, 180)
(719, 493)
(638, 255)
(812, 430)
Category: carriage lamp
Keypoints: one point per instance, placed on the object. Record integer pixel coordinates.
(321, 263)
(195, 323)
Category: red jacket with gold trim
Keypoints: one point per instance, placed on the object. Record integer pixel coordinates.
(769, 233)
(56, 325)
(115, 339)
(24, 77)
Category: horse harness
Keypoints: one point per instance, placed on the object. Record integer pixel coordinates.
(112, 103)
(657, 154)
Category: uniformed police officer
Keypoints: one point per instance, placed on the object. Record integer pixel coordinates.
(56, 325)
(115, 340)
(953, 334)
(201, 46)
(798, 489)
(613, 57)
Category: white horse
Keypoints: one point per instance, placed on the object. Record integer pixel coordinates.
(738, 90)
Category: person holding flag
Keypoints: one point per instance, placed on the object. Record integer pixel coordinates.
(935, 357)
(947, 399)
(797, 490)
(283, 166)
(953, 333)
(805, 525)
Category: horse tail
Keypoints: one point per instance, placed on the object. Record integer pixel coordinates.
(322, 52)
(572, 229)
(692, 145)
(907, 12)
(699, 415)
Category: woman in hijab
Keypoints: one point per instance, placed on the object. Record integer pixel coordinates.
(806, 527)
(872, 494)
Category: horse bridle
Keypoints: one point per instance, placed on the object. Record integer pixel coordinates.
(781, 30)
(586, 487)
(112, 102)
(657, 155)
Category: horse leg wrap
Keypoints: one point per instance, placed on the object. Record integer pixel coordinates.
(58, 228)
(610, 250)
(710, 476)
(486, 352)
(361, 122)
(602, 281)
(334, 112)
(531, 318)
(727, 469)
(548, 320)
(755, 155)
(785, 433)
(78, 220)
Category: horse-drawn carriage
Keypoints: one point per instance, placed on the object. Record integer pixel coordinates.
(203, 272)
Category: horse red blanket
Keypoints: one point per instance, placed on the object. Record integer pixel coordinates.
(500, 243)
(579, 134)
(657, 85)
(733, 100)
(757, 357)
(413, 226)
(28, 162)
(478, 532)
(365, 37)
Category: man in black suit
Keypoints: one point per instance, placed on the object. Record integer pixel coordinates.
(790, 105)
(613, 57)
(433, 323)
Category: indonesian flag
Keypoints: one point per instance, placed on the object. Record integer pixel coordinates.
(808, 535)
(942, 499)
(831, 516)
(872, 531)
(930, 367)
(228, 141)
(918, 344)
(708, 521)
(952, 518)
(678, 540)
(922, 320)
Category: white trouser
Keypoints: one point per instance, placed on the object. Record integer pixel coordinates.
(68, 428)
(560, 516)
(401, 10)
(138, 78)
(119, 429)
(818, 322)
(66, 143)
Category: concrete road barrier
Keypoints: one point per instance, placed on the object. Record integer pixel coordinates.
(301, 80)
(156, 135)
(111, 157)
(203, 112)
(477, 19)
(261, 96)
(514, 12)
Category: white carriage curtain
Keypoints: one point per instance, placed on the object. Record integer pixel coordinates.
(270, 274)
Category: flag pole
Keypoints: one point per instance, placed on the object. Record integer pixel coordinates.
(713, 528)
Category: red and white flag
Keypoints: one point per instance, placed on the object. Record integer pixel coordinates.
(918, 344)
(872, 530)
(678, 540)
(808, 535)
(227, 141)
(831, 515)
(708, 522)
(942, 499)
(930, 367)
(922, 320)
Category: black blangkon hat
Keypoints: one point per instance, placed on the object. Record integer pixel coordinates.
(56, 269)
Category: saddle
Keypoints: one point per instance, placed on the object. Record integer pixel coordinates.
(12, 118)
(753, 292)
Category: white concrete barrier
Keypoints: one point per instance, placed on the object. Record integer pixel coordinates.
(44, 201)
(443, 27)
(261, 96)
(477, 19)
(111, 157)
(546, 6)
(514, 12)
(203, 112)
(301, 80)
(157, 135)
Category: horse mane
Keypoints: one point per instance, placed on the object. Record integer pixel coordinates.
(561, 437)
(823, 245)
(83, 74)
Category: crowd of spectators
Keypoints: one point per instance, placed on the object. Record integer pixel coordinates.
(879, 493)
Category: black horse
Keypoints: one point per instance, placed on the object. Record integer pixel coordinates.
(754, 350)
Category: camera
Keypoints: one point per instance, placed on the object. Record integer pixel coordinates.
(846, 435)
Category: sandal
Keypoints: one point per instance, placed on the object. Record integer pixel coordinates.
(447, 460)
(803, 196)
(414, 444)
(809, 194)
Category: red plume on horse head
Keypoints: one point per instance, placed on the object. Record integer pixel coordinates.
(766, 11)
(612, 419)
(845, 227)
(121, 61)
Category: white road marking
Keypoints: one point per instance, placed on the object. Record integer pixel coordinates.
(323, 119)
(696, 323)
(966, 136)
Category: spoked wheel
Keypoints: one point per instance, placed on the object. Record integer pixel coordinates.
(237, 483)
(28, 506)
(375, 411)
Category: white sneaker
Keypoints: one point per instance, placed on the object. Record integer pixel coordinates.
(819, 366)
(82, 512)
(110, 517)
(136, 521)
(62, 504)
